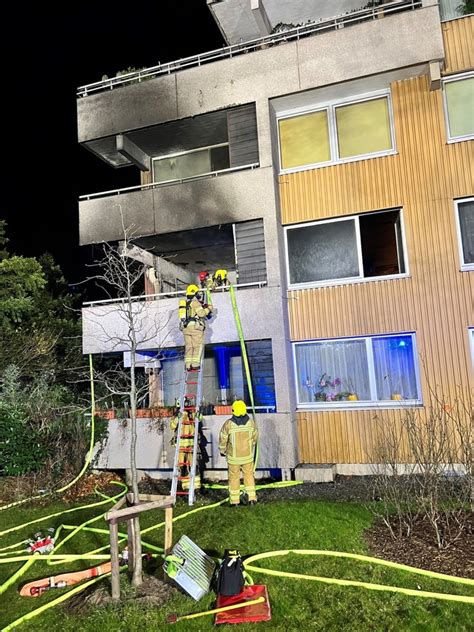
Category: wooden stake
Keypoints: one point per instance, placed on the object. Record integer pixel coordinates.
(114, 558)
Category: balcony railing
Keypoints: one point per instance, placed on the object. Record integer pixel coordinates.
(355, 17)
(154, 185)
(149, 297)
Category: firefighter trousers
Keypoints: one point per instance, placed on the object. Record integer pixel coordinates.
(193, 342)
(234, 481)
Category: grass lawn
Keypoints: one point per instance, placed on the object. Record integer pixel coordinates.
(296, 604)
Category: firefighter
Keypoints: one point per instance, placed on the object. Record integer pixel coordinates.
(205, 280)
(193, 313)
(220, 278)
(237, 440)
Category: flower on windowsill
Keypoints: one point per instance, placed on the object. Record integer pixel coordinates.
(325, 389)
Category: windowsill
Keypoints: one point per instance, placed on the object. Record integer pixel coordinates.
(467, 267)
(399, 404)
(351, 281)
(343, 161)
(461, 139)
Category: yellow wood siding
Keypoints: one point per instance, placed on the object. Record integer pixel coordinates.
(436, 301)
(458, 36)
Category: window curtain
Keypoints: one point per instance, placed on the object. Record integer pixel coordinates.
(328, 371)
(363, 128)
(460, 101)
(394, 368)
(304, 140)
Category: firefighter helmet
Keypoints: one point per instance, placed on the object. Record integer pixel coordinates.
(203, 275)
(239, 409)
(221, 275)
(192, 290)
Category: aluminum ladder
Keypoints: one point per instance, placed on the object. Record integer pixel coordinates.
(190, 403)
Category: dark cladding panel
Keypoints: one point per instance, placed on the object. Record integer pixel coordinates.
(243, 139)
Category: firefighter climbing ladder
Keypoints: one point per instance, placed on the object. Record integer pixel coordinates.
(187, 444)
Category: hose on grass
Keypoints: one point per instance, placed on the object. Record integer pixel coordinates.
(248, 564)
(86, 461)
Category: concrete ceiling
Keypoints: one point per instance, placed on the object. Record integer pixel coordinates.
(237, 22)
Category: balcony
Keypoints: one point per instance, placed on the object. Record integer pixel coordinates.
(233, 195)
(104, 330)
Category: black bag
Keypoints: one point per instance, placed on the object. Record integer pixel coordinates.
(230, 580)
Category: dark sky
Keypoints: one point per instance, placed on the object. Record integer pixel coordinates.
(46, 54)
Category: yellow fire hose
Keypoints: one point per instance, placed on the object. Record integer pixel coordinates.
(174, 618)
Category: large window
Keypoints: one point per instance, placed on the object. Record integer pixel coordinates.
(465, 226)
(357, 372)
(336, 133)
(346, 249)
(193, 163)
(459, 107)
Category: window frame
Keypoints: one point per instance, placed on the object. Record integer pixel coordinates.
(463, 266)
(184, 153)
(348, 280)
(470, 333)
(451, 79)
(367, 404)
(330, 107)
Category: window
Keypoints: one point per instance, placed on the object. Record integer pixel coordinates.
(471, 340)
(459, 107)
(357, 372)
(336, 133)
(465, 226)
(345, 249)
(193, 163)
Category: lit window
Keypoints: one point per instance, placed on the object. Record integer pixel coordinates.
(363, 128)
(304, 140)
(355, 372)
(465, 225)
(337, 133)
(459, 106)
(349, 249)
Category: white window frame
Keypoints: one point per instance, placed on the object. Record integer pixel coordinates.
(330, 107)
(464, 267)
(367, 404)
(183, 153)
(348, 280)
(453, 139)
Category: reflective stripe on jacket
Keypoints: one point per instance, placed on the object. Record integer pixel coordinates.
(237, 441)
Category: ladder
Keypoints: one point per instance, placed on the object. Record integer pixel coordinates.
(187, 444)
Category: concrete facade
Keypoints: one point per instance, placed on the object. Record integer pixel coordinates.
(381, 46)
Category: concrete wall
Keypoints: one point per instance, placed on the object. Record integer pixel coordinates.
(154, 452)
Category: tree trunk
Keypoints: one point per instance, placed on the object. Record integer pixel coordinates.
(137, 577)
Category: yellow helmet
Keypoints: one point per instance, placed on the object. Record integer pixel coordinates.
(239, 409)
(220, 274)
(192, 290)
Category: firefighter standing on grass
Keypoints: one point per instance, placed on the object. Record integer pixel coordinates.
(193, 313)
(237, 440)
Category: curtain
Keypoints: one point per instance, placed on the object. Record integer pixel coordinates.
(304, 140)
(394, 367)
(363, 128)
(340, 364)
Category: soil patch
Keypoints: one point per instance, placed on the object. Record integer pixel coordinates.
(153, 591)
(421, 551)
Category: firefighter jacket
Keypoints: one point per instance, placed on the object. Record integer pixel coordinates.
(196, 314)
(237, 440)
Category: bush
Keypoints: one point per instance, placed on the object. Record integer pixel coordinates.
(22, 447)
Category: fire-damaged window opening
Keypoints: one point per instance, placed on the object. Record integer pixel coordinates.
(179, 257)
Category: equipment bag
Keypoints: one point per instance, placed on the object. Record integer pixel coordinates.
(230, 580)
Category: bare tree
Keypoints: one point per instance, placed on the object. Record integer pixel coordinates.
(122, 279)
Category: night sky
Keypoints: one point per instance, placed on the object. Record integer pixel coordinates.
(46, 55)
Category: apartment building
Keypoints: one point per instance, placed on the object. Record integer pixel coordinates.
(324, 158)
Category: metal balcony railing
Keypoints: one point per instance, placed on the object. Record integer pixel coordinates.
(354, 17)
(155, 185)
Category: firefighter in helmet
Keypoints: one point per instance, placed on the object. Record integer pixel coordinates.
(220, 278)
(193, 313)
(186, 447)
(205, 280)
(237, 441)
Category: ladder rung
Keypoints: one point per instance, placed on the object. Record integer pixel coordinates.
(187, 436)
(182, 493)
(192, 382)
(183, 463)
(189, 407)
(187, 450)
(183, 478)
